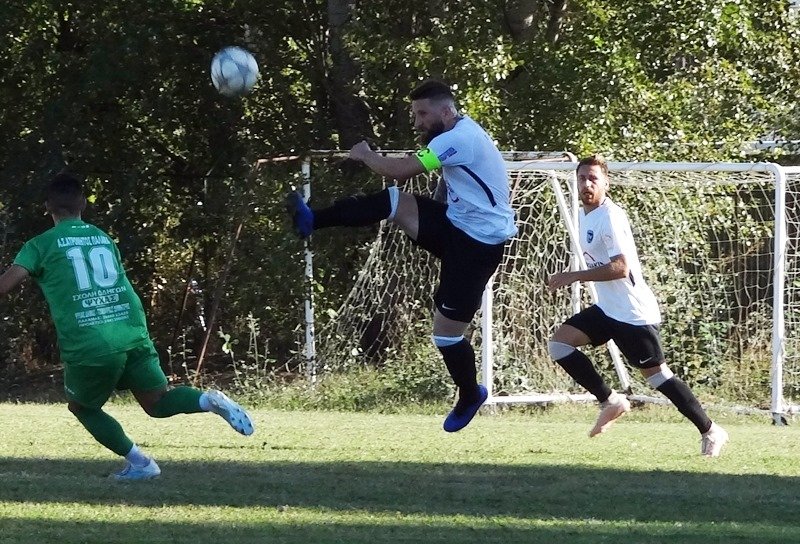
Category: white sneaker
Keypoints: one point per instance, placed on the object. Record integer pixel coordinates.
(712, 441)
(133, 473)
(614, 407)
(230, 411)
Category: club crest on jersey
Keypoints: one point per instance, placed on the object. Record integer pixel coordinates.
(589, 236)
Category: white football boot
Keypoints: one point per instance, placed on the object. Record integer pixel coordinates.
(133, 473)
(613, 408)
(230, 411)
(712, 441)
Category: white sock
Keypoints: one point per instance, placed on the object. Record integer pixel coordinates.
(136, 457)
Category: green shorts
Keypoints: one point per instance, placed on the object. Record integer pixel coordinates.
(91, 383)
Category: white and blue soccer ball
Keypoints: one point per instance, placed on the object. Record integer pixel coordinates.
(234, 71)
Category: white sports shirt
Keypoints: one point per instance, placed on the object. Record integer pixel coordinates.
(477, 182)
(606, 232)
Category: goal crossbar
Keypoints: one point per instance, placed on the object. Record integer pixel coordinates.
(735, 249)
(778, 406)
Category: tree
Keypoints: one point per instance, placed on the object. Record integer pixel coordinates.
(119, 92)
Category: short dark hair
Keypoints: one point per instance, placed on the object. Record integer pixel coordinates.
(431, 88)
(64, 195)
(594, 160)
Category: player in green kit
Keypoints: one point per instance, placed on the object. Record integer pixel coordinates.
(102, 331)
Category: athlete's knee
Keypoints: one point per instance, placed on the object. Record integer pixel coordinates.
(445, 341)
(404, 212)
(394, 201)
(149, 409)
(559, 350)
(74, 407)
(80, 411)
(658, 376)
(149, 400)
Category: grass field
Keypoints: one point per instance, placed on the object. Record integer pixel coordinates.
(312, 477)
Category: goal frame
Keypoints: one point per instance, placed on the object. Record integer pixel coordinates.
(564, 162)
(778, 407)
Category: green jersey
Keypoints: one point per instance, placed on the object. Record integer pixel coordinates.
(94, 308)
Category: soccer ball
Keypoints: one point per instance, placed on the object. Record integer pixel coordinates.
(234, 71)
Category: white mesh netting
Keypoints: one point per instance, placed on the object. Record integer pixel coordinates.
(706, 241)
(791, 373)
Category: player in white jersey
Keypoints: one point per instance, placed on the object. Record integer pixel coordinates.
(626, 312)
(468, 233)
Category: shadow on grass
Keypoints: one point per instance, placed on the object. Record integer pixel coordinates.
(535, 492)
(20, 531)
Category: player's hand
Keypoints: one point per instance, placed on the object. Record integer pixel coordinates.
(360, 151)
(562, 279)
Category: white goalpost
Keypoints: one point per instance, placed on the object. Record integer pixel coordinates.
(790, 374)
(715, 246)
(718, 244)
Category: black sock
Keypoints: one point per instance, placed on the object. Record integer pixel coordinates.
(581, 369)
(686, 403)
(460, 361)
(355, 211)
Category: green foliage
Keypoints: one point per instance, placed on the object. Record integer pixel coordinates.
(658, 80)
(397, 386)
(673, 80)
(716, 331)
(119, 92)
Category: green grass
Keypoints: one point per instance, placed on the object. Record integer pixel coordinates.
(313, 477)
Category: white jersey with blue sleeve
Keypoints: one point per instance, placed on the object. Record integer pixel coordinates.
(478, 192)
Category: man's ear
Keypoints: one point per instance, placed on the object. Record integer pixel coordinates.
(448, 112)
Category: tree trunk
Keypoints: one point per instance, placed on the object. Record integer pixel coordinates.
(350, 113)
(520, 17)
(558, 10)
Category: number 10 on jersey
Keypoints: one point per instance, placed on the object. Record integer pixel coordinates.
(94, 263)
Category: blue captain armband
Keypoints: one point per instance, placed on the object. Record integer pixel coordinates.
(428, 159)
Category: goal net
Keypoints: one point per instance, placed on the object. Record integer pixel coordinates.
(791, 363)
(711, 249)
(388, 312)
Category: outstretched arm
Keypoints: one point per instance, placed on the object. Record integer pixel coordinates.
(11, 278)
(400, 169)
(616, 269)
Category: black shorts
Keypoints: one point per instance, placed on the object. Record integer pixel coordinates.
(467, 264)
(640, 344)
